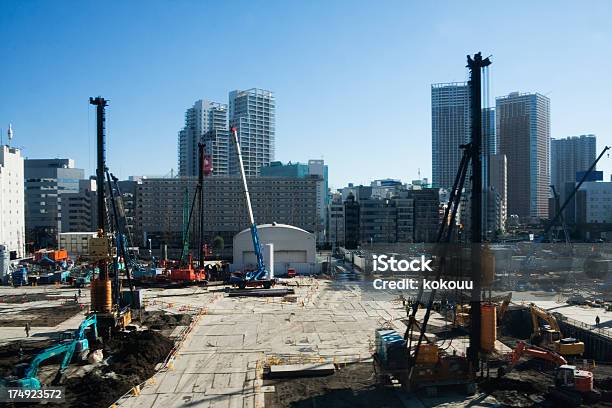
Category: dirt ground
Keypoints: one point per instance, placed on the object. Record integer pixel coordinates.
(351, 386)
(9, 353)
(44, 316)
(32, 297)
(129, 359)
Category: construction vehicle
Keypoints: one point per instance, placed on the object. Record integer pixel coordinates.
(106, 249)
(19, 277)
(503, 307)
(185, 272)
(572, 385)
(82, 343)
(84, 279)
(432, 369)
(25, 374)
(260, 276)
(549, 334)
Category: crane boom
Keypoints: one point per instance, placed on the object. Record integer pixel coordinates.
(261, 268)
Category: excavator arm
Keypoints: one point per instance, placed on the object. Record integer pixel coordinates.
(32, 370)
(522, 349)
(538, 314)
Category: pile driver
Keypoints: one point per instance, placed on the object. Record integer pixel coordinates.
(104, 249)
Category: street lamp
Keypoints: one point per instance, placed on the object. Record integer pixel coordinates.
(150, 248)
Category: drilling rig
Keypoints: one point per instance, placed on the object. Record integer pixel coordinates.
(418, 365)
(106, 287)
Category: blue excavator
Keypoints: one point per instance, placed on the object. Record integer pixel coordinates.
(25, 374)
(260, 276)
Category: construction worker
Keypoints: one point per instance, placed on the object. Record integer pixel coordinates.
(27, 329)
(597, 320)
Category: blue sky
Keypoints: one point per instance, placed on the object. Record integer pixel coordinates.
(352, 78)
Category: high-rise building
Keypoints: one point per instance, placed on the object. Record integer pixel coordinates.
(12, 211)
(569, 156)
(497, 193)
(205, 121)
(46, 181)
(523, 126)
(253, 113)
(450, 128)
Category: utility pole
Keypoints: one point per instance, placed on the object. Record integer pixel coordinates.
(475, 65)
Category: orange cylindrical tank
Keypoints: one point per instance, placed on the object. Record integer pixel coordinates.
(101, 296)
(488, 329)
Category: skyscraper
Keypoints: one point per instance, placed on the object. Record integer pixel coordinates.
(450, 128)
(569, 156)
(205, 122)
(523, 125)
(252, 112)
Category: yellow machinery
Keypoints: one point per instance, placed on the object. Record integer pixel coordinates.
(549, 335)
(503, 307)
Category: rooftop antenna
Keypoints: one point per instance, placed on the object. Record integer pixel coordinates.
(9, 132)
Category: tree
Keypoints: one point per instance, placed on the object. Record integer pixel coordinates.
(218, 243)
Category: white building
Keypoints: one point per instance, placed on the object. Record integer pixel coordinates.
(76, 243)
(293, 248)
(595, 203)
(12, 211)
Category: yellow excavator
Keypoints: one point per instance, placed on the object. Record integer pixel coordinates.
(549, 334)
(503, 307)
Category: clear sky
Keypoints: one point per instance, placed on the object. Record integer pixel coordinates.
(352, 78)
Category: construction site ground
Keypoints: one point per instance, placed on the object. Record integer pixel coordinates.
(223, 344)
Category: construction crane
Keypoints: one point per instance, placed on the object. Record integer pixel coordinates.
(549, 336)
(562, 218)
(25, 375)
(260, 276)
